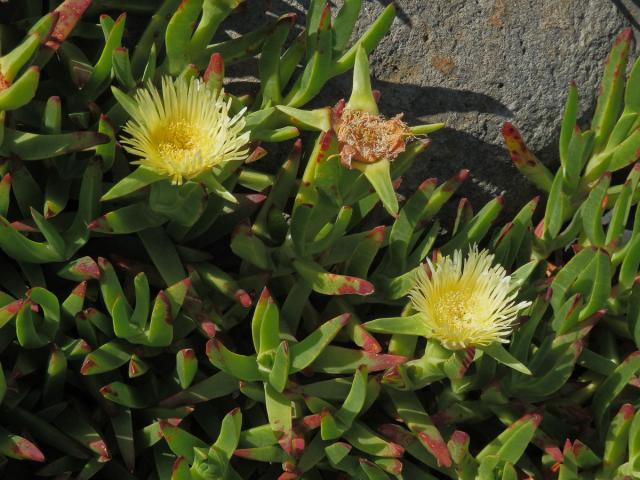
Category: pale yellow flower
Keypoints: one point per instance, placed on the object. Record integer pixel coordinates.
(184, 130)
(466, 302)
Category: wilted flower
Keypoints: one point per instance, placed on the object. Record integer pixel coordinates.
(466, 303)
(185, 130)
(368, 138)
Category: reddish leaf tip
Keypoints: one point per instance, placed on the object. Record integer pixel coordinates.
(107, 390)
(80, 290)
(377, 233)
(555, 453)
(188, 353)
(84, 346)
(257, 153)
(243, 453)
(345, 318)
(627, 411)
(536, 418)
(428, 183)
(211, 344)
(462, 175)
(264, 295)
(437, 447)
(87, 365)
(508, 129)
(625, 35)
(27, 450)
(243, 298)
(206, 325)
(396, 450)
(370, 344)
(133, 368)
(100, 447)
(459, 437)
(256, 198)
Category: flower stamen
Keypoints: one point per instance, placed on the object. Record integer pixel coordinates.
(368, 138)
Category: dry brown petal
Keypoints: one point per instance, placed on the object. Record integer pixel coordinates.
(368, 138)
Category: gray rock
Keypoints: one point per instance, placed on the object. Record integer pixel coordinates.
(477, 63)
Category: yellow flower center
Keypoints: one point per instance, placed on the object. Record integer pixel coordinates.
(178, 140)
(454, 304)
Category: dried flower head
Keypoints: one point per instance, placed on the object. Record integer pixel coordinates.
(368, 138)
(466, 303)
(185, 130)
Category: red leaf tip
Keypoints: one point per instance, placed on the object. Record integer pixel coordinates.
(462, 175)
(87, 365)
(627, 411)
(459, 437)
(243, 298)
(508, 129)
(625, 35)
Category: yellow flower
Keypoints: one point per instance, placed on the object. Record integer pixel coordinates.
(185, 130)
(466, 303)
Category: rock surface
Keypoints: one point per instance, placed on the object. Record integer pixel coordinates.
(475, 64)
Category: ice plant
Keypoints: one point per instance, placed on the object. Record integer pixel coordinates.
(466, 302)
(184, 130)
(227, 331)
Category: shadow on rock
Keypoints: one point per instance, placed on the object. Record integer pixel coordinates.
(431, 100)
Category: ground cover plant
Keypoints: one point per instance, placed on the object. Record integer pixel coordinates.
(173, 308)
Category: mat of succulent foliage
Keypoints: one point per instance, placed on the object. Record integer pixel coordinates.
(170, 311)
